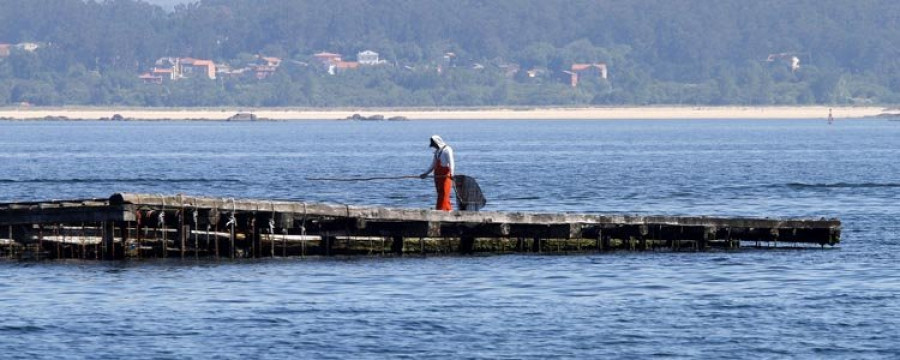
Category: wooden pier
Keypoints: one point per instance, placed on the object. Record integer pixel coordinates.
(156, 226)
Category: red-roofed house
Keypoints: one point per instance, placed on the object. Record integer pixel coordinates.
(190, 65)
(327, 57)
(598, 69)
(164, 73)
(178, 68)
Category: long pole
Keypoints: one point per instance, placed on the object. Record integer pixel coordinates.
(366, 179)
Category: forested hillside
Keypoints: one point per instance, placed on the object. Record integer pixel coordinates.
(450, 53)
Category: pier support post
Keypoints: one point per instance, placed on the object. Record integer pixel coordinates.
(600, 243)
(164, 243)
(109, 240)
(536, 244)
(466, 245)
(707, 234)
(137, 234)
(255, 250)
(215, 239)
(284, 245)
(182, 233)
(644, 231)
(123, 230)
(327, 244)
(38, 254)
(397, 245)
(232, 234)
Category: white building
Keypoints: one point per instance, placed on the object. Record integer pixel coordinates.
(368, 57)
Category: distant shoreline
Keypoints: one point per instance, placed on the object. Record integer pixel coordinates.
(497, 113)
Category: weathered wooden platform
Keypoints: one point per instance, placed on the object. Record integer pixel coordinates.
(144, 225)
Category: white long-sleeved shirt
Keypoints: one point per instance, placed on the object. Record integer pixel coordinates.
(444, 157)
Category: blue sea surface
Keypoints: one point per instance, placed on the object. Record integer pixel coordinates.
(841, 302)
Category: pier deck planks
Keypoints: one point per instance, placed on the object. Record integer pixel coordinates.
(252, 224)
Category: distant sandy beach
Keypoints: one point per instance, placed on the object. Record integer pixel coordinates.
(585, 113)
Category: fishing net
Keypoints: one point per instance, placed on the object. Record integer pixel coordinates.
(468, 193)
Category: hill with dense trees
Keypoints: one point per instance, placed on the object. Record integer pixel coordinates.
(454, 53)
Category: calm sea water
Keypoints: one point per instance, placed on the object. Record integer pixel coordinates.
(837, 303)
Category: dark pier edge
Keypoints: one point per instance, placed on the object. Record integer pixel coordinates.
(145, 225)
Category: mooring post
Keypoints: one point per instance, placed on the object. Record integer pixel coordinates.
(11, 242)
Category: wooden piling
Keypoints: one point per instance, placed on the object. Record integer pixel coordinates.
(327, 244)
(124, 231)
(397, 245)
(255, 241)
(466, 244)
(109, 241)
(284, 242)
(183, 233)
(232, 221)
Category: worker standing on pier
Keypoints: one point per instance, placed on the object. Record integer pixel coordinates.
(443, 166)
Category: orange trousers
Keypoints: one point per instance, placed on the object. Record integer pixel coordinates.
(443, 183)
